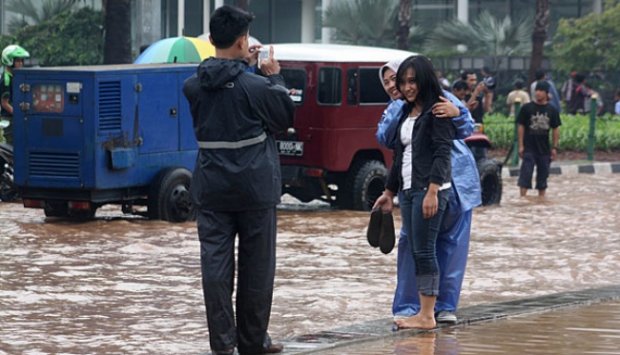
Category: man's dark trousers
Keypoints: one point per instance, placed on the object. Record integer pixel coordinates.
(257, 261)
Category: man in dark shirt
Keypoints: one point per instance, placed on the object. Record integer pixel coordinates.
(535, 121)
(236, 183)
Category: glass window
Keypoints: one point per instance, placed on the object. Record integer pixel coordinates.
(370, 89)
(193, 18)
(428, 13)
(352, 87)
(295, 80)
(330, 86)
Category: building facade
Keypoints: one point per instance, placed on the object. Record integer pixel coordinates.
(281, 21)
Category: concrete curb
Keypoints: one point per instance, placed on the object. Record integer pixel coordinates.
(382, 328)
(571, 169)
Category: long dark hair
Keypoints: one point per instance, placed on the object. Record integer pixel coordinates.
(429, 88)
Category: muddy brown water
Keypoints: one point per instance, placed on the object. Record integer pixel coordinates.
(123, 284)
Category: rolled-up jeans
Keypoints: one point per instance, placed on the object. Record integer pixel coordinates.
(422, 234)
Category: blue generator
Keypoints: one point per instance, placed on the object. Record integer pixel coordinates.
(86, 136)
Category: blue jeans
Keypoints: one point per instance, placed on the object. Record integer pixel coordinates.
(452, 250)
(422, 235)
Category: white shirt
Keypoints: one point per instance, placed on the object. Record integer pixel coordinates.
(406, 132)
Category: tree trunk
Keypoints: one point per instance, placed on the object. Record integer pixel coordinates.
(117, 42)
(539, 35)
(404, 19)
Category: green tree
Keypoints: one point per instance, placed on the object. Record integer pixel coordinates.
(486, 35)
(70, 38)
(34, 13)
(589, 43)
(368, 22)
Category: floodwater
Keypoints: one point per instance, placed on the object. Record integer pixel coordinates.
(123, 284)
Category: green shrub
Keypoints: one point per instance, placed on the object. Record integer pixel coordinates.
(573, 132)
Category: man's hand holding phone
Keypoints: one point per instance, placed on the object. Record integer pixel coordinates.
(268, 65)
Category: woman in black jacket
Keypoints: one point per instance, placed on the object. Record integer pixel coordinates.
(421, 169)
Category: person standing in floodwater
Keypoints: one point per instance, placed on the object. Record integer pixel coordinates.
(236, 183)
(453, 239)
(535, 120)
(422, 172)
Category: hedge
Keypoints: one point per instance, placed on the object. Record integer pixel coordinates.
(574, 131)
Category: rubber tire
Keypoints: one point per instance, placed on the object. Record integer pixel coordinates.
(56, 209)
(169, 198)
(364, 184)
(490, 181)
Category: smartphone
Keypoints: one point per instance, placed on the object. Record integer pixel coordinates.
(263, 53)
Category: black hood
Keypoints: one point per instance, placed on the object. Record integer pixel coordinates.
(214, 73)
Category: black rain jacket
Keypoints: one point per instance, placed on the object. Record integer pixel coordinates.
(229, 105)
(431, 144)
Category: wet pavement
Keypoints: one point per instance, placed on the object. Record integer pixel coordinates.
(123, 284)
(584, 329)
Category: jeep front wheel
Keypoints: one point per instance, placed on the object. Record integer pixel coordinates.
(364, 184)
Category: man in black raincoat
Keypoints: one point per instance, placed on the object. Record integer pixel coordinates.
(236, 183)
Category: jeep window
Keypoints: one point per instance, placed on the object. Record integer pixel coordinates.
(352, 86)
(330, 86)
(370, 87)
(295, 80)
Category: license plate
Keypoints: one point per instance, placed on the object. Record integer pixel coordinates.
(291, 148)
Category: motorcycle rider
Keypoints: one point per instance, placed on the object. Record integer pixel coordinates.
(12, 58)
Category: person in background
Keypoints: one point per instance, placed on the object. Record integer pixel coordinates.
(568, 89)
(445, 84)
(460, 89)
(554, 98)
(478, 94)
(578, 100)
(536, 119)
(12, 58)
(489, 83)
(453, 239)
(517, 93)
(617, 100)
(587, 103)
(236, 183)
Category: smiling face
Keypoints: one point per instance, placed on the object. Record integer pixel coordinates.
(409, 86)
(389, 84)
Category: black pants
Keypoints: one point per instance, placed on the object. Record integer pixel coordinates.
(542, 163)
(255, 276)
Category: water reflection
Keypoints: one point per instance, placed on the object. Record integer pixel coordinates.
(586, 329)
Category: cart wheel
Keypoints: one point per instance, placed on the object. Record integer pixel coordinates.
(169, 197)
(490, 181)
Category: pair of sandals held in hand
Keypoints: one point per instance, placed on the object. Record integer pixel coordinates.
(380, 231)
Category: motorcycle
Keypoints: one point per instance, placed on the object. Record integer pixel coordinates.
(8, 191)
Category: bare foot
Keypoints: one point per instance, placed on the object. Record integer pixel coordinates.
(417, 321)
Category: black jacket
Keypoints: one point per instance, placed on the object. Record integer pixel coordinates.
(431, 145)
(230, 105)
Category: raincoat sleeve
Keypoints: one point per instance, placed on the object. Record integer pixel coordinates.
(463, 123)
(388, 124)
(274, 106)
